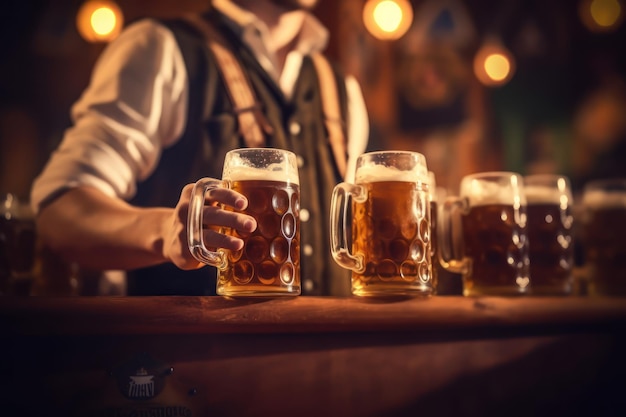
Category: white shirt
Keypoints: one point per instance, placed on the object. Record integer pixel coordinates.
(136, 103)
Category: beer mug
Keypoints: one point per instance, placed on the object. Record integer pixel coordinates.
(17, 246)
(490, 250)
(380, 226)
(603, 234)
(444, 282)
(550, 220)
(434, 251)
(269, 263)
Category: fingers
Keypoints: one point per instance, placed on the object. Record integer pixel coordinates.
(215, 219)
(216, 196)
(213, 239)
(218, 217)
(214, 216)
(227, 197)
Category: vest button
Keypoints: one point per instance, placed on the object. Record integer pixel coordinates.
(308, 250)
(309, 285)
(300, 161)
(304, 215)
(295, 128)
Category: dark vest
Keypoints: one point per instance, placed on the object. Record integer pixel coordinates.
(212, 130)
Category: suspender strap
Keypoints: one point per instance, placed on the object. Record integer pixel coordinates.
(238, 86)
(332, 112)
(249, 111)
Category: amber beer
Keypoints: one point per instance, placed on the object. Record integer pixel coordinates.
(390, 242)
(269, 263)
(434, 245)
(270, 258)
(494, 241)
(391, 230)
(550, 222)
(432, 203)
(491, 248)
(604, 236)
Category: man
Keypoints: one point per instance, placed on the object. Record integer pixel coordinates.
(156, 117)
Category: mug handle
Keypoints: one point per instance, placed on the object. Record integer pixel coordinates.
(339, 226)
(446, 232)
(195, 236)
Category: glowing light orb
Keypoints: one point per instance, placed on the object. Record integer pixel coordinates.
(494, 65)
(99, 20)
(387, 19)
(103, 21)
(601, 15)
(605, 12)
(497, 67)
(388, 15)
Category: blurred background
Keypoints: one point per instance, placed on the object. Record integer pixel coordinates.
(532, 86)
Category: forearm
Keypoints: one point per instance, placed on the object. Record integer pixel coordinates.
(84, 225)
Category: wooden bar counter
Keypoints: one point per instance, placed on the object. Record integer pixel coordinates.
(313, 356)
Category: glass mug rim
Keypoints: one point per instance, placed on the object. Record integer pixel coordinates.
(391, 152)
(387, 159)
(607, 184)
(419, 157)
(287, 175)
(548, 189)
(547, 176)
(548, 180)
(605, 194)
(485, 175)
(516, 197)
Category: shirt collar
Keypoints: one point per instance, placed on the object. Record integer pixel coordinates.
(313, 35)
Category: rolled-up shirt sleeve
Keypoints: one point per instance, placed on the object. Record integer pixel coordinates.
(134, 106)
(358, 125)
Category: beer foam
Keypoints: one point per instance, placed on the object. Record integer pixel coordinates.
(275, 172)
(238, 167)
(481, 193)
(604, 199)
(537, 194)
(378, 173)
(432, 181)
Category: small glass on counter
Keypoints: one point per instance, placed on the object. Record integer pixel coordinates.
(17, 246)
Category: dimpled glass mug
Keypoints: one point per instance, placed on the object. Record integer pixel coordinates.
(269, 263)
(603, 233)
(380, 226)
(550, 227)
(483, 234)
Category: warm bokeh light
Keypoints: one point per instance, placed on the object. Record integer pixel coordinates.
(493, 64)
(605, 12)
(601, 15)
(99, 20)
(387, 19)
(388, 16)
(497, 67)
(103, 21)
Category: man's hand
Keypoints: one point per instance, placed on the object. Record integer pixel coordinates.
(175, 246)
